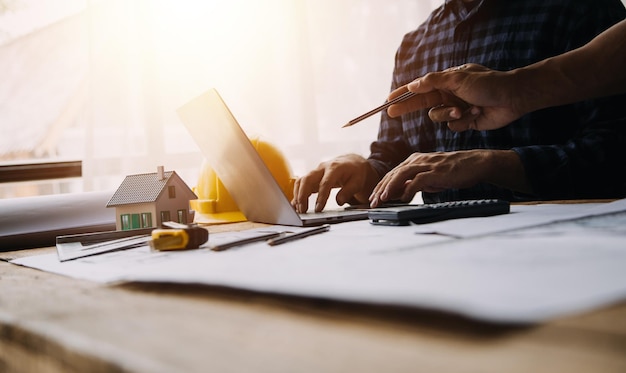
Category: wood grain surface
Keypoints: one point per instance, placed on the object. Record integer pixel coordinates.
(51, 323)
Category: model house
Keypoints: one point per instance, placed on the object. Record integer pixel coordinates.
(147, 200)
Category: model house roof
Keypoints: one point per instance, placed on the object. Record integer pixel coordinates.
(142, 188)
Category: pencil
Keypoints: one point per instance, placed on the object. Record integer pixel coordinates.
(402, 97)
(245, 241)
(296, 236)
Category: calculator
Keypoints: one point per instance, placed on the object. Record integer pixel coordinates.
(429, 213)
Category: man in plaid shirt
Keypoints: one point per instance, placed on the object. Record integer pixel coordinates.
(567, 152)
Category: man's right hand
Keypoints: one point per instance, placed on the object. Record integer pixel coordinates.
(487, 96)
(352, 173)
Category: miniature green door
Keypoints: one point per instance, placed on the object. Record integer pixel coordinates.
(135, 222)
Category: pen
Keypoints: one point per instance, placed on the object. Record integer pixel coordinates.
(402, 97)
(301, 234)
(245, 241)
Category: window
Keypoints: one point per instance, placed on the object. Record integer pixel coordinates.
(182, 216)
(146, 220)
(104, 61)
(171, 191)
(125, 219)
(165, 216)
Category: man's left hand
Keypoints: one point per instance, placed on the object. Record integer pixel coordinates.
(432, 172)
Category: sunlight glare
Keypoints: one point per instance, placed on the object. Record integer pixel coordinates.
(215, 40)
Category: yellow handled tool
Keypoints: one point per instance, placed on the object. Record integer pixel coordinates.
(179, 237)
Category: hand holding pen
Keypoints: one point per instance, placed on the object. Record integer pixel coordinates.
(405, 96)
(402, 101)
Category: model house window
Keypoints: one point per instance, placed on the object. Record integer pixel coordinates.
(146, 220)
(125, 218)
(135, 221)
(165, 216)
(171, 190)
(182, 216)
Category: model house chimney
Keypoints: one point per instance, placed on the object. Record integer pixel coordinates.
(160, 173)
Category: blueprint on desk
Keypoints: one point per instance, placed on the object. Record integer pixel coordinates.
(556, 260)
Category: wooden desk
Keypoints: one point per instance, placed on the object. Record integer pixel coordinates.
(51, 323)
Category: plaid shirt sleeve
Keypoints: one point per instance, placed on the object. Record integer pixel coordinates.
(571, 151)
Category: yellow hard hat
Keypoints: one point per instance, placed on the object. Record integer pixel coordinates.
(214, 203)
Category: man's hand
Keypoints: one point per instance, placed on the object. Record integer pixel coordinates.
(436, 172)
(470, 96)
(352, 173)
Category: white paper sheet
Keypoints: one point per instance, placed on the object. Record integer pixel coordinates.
(521, 216)
(36, 221)
(523, 275)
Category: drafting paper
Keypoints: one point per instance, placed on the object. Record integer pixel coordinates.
(518, 276)
(521, 216)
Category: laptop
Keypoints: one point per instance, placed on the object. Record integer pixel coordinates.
(242, 171)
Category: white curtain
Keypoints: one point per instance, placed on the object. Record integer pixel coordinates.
(292, 72)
